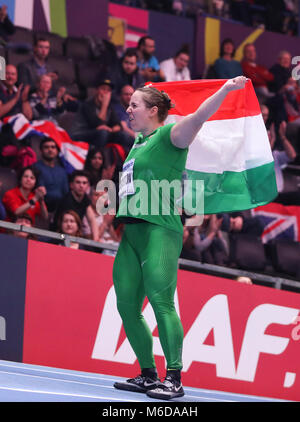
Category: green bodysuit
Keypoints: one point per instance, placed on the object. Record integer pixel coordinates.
(147, 259)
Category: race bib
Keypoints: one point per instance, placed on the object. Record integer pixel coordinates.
(126, 182)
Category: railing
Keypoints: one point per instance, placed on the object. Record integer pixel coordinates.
(257, 278)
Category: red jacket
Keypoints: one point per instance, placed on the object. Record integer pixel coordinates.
(13, 199)
(259, 75)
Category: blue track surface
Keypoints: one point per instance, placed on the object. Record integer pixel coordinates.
(30, 383)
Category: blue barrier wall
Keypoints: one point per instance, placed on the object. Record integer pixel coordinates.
(13, 257)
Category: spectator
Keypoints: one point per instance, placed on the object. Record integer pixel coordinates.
(189, 250)
(218, 8)
(205, 243)
(31, 70)
(291, 97)
(237, 223)
(225, 66)
(148, 63)
(6, 26)
(281, 71)
(106, 231)
(77, 200)
(69, 223)
(281, 159)
(97, 123)
(127, 73)
(95, 165)
(51, 174)
(209, 240)
(23, 220)
(176, 68)
(121, 107)
(281, 156)
(259, 75)
(26, 198)
(44, 105)
(290, 22)
(243, 279)
(13, 100)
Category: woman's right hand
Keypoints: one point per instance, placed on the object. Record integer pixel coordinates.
(235, 83)
(40, 193)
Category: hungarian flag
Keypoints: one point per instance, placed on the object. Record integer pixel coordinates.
(72, 153)
(231, 153)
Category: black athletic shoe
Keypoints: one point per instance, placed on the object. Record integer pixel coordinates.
(170, 388)
(139, 384)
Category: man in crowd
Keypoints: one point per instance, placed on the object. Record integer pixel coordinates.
(51, 174)
(259, 75)
(77, 200)
(31, 70)
(97, 123)
(13, 100)
(176, 68)
(6, 26)
(127, 72)
(121, 107)
(281, 71)
(148, 63)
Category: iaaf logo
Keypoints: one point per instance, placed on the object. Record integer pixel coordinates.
(214, 315)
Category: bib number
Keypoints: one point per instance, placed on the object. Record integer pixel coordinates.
(126, 182)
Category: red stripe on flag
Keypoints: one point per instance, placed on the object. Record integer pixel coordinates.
(22, 130)
(189, 95)
(273, 226)
(82, 160)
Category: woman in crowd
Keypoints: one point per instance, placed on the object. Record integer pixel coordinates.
(26, 198)
(226, 66)
(70, 224)
(95, 164)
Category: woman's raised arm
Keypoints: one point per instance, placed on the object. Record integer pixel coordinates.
(184, 132)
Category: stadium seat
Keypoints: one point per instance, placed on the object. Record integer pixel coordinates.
(8, 179)
(247, 252)
(22, 35)
(90, 73)
(78, 49)
(65, 69)
(285, 255)
(56, 42)
(66, 120)
(15, 58)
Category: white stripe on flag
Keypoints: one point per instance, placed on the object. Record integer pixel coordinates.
(229, 145)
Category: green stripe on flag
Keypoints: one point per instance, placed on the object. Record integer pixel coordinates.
(58, 16)
(233, 191)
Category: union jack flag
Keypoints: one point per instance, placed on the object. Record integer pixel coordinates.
(72, 153)
(280, 221)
